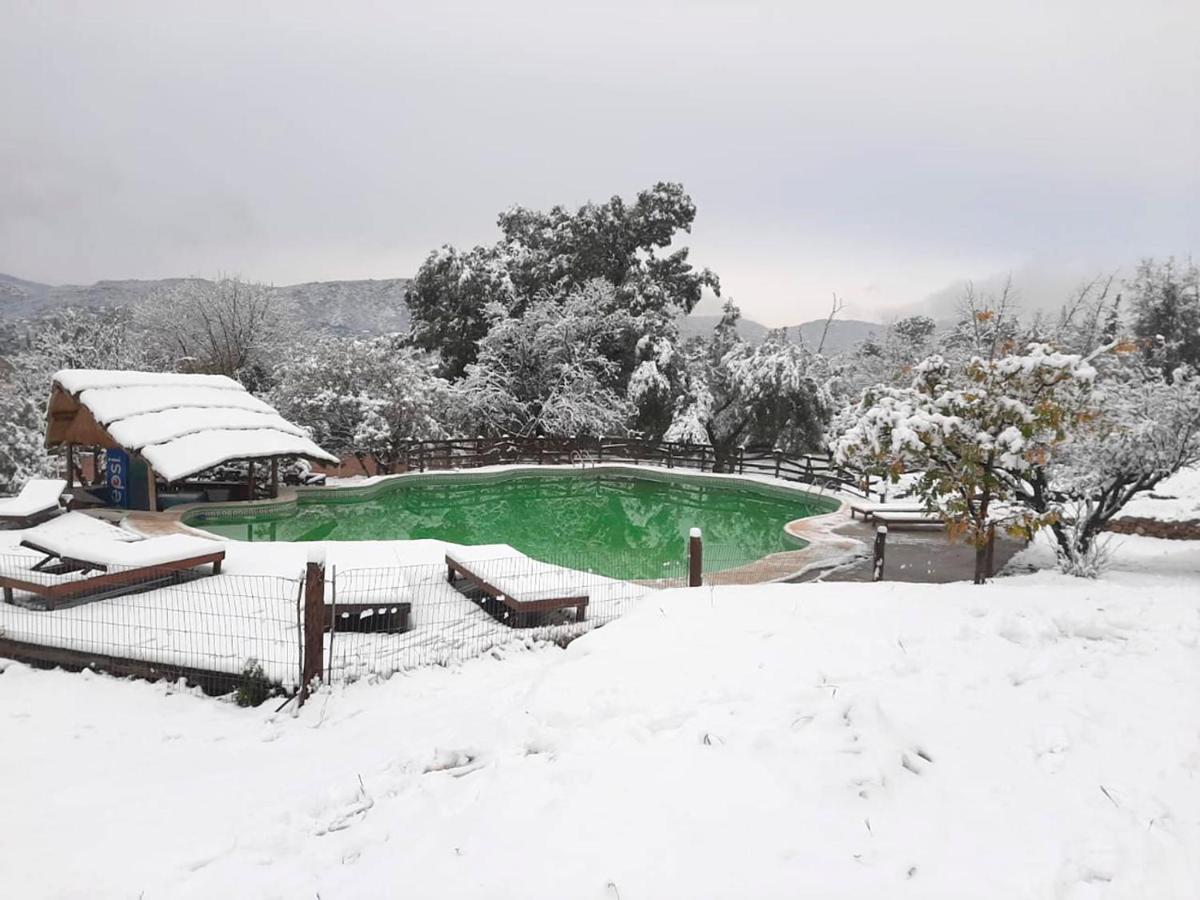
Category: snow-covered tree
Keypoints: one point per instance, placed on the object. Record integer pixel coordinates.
(544, 255)
(544, 372)
(225, 327)
(1165, 299)
(974, 432)
(738, 394)
(364, 397)
(71, 338)
(1143, 426)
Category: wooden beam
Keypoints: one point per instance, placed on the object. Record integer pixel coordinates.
(151, 489)
(70, 466)
(250, 481)
(274, 476)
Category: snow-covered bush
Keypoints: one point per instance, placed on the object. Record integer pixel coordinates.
(364, 397)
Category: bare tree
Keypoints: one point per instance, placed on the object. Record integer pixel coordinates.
(223, 327)
(838, 306)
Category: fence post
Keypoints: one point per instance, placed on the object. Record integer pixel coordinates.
(741, 460)
(880, 543)
(695, 558)
(778, 460)
(314, 622)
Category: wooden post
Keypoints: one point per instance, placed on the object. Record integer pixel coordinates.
(990, 565)
(778, 460)
(695, 558)
(151, 489)
(314, 626)
(880, 543)
(70, 466)
(250, 481)
(703, 452)
(741, 460)
(274, 476)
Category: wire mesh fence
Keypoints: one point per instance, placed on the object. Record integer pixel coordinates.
(249, 633)
(212, 629)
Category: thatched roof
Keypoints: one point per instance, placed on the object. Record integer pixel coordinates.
(181, 424)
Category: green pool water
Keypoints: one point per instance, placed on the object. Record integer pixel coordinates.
(618, 525)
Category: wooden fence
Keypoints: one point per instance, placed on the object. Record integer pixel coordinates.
(470, 453)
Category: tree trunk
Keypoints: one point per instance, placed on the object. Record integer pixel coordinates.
(981, 559)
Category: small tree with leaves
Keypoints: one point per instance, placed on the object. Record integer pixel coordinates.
(972, 431)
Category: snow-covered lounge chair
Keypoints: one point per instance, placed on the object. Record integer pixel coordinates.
(868, 509)
(369, 600)
(40, 499)
(520, 583)
(84, 557)
(908, 519)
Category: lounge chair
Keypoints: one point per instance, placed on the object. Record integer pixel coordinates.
(520, 583)
(868, 509)
(86, 558)
(369, 600)
(908, 519)
(39, 500)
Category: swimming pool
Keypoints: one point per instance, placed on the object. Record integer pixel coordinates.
(616, 523)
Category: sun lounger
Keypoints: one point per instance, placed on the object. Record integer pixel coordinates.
(868, 509)
(369, 600)
(83, 557)
(909, 519)
(40, 499)
(520, 583)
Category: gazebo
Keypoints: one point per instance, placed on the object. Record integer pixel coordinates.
(168, 426)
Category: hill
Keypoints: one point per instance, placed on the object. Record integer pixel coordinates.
(370, 306)
(843, 335)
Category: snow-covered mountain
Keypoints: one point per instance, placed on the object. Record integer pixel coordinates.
(369, 306)
(843, 335)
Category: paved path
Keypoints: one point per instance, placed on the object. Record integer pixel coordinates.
(922, 555)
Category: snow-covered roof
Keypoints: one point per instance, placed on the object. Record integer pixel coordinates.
(181, 424)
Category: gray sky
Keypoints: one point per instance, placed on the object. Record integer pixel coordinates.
(881, 150)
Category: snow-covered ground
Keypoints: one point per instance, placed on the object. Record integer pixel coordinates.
(1036, 737)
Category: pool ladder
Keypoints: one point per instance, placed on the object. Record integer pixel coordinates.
(583, 459)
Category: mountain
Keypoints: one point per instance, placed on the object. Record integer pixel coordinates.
(372, 306)
(844, 334)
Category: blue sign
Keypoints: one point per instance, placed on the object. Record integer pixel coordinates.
(117, 466)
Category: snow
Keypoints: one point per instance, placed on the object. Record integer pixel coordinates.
(37, 495)
(1030, 738)
(75, 380)
(114, 404)
(193, 453)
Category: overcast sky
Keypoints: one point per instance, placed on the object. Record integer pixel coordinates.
(881, 150)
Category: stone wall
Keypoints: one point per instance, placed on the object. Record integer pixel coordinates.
(1173, 531)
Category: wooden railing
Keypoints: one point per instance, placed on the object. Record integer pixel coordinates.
(470, 453)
